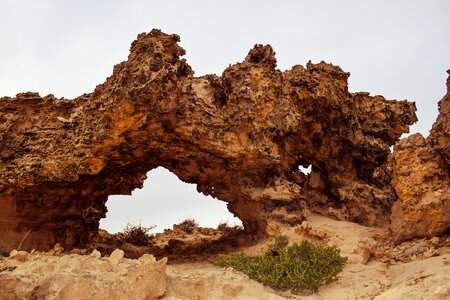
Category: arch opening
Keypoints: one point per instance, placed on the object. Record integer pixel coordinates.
(304, 170)
(163, 201)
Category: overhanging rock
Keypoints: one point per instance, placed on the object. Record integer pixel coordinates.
(240, 137)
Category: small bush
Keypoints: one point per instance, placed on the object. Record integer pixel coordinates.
(304, 267)
(226, 229)
(137, 234)
(223, 226)
(188, 225)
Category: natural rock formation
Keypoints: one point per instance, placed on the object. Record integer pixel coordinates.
(422, 184)
(46, 276)
(440, 133)
(240, 137)
(421, 179)
(177, 244)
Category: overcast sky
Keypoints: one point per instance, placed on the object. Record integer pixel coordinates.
(398, 49)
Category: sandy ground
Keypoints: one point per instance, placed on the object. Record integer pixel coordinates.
(375, 270)
(364, 277)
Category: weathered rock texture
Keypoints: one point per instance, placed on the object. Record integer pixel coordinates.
(423, 187)
(421, 179)
(440, 133)
(240, 137)
(179, 244)
(44, 276)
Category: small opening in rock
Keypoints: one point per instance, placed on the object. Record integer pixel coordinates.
(304, 170)
(163, 201)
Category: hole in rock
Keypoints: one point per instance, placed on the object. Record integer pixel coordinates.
(304, 170)
(163, 201)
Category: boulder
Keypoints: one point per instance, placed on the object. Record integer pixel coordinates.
(421, 182)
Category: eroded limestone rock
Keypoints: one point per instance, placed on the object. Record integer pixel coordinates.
(240, 137)
(440, 133)
(423, 187)
(45, 276)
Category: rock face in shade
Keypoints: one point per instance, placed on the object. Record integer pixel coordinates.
(423, 187)
(240, 137)
(440, 133)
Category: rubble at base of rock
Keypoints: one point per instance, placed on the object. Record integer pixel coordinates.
(73, 276)
(376, 269)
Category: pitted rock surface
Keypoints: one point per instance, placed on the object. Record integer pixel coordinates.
(421, 181)
(240, 137)
(440, 133)
(50, 276)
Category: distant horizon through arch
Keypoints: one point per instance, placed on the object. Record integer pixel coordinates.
(164, 200)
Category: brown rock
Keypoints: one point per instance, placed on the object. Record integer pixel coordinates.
(95, 254)
(58, 249)
(19, 255)
(132, 251)
(240, 137)
(439, 136)
(116, 256)
(423, 187)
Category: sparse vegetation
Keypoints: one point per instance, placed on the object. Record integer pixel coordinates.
(188, 225)
(223, 226)
(137, 234)
(226, 229)
(300, 268)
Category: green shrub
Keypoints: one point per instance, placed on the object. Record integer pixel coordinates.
(304, 267)
(137, 234)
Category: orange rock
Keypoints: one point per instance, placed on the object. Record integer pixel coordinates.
(421, 181)
(240, 137)
(439, 136)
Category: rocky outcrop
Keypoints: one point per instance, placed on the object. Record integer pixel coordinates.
(180, 244)
(423, 187)
(439, 136)
(46, 276)
(240, 137)
(421, 179)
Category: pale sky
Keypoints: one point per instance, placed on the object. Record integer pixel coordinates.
(398, 49)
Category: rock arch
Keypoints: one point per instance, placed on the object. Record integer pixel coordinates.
(164, 201)
(240, 137)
